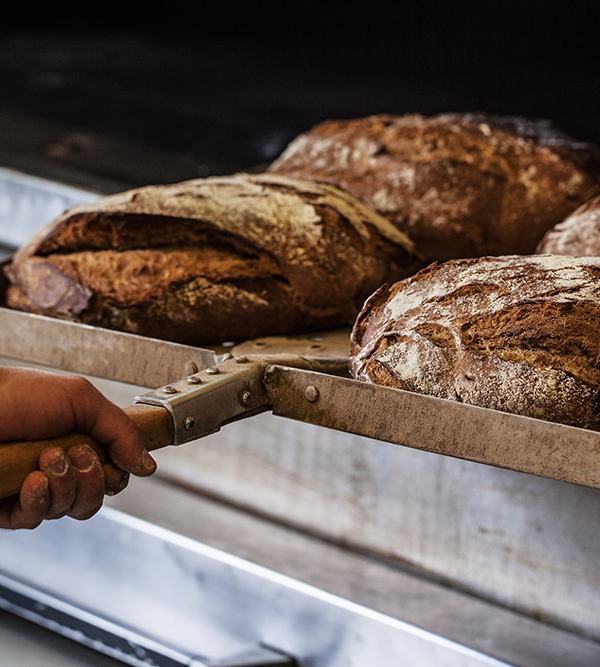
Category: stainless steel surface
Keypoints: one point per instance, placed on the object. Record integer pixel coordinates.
(202, 602)
(329, 348)
(263, 437)
(523, 541)
(173, 573)
(139, 360)
(89, 350)
(382, 585)
(28, 202)
(436, 425)
(114, 639)
(26, 645)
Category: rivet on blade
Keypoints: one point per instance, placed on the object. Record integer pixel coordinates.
(311, 393)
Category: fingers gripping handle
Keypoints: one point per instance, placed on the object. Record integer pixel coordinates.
(18, 459)
(184, 410)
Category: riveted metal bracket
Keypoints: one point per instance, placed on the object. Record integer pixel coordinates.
(201, 403)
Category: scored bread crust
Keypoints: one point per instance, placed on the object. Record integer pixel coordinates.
(578, 235)
(520, 334)
(459, 185)
(210, 260)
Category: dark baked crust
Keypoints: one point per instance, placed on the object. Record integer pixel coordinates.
(578, 235)
(211, 260)
(459, 185)
(517, 334)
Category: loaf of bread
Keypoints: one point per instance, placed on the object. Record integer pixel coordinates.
(211, 260)
(578, 235)
(520, 334)
(459, 185)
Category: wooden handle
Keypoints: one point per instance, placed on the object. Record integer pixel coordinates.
(18, 459)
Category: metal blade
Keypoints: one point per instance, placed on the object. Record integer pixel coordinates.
(71, 346)
(436, 425)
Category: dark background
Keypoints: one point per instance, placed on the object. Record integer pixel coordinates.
(109, 96)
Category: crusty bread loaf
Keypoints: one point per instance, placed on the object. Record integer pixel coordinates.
(459, 185)
(519, 334)
(211, 260)
(578, 235)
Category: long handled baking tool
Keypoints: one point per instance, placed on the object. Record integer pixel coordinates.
(298, 378)
(230, 386)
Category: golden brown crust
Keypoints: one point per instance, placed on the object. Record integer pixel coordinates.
(459, 185)
(578, 235)
(212, 259)
(518, 334)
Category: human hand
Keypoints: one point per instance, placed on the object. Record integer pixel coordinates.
(36, 405)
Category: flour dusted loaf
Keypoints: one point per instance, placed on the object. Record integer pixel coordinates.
(578, 235)
(517, 334)
(459, 185)
(211, 260)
